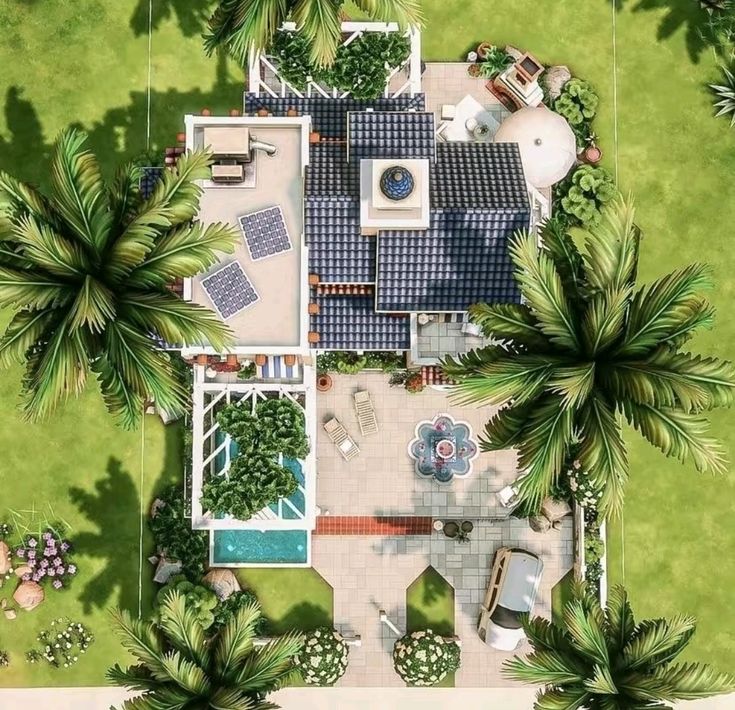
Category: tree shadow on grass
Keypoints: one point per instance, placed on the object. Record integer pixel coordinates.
(114, 509)
(191, 15)
(301, 617)
(681, 14)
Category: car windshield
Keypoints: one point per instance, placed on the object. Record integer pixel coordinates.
(506, 618)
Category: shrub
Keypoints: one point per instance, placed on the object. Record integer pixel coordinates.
(281, 427)
(584, 194)
(4, 659)
(171, 528)
(415, 383)
(200, 599)
(577, 102)
(582, 486)
(291, 52)
(349, 363)
(424, 657)
(252, 483)
(62, 644)
(725, 95)
(47, 555)
(323, 658)
(241, 425)
(497, 60)
(227, 608)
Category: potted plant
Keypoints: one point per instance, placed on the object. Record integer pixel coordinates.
(482, 50)
(324, 382)
(414, 383)
(592, 153)
(474, 70)
(467, 526)
(451, 529)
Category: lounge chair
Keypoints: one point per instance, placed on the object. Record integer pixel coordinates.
(341, 439)
(365, 413)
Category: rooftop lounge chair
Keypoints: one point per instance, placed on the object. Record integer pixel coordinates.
(365, 413)
(341, 439)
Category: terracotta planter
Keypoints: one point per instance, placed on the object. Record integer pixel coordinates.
(592, 155)
(324, 383)
(473, 70)
(482, 49)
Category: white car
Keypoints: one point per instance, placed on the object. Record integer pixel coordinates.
(511, 591)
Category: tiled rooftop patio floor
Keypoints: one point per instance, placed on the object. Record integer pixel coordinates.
(381, 480)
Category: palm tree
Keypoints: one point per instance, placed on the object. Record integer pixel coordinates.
(87, 268)
(182, 666)
(603, 660)
(586, 347)
(242, 25)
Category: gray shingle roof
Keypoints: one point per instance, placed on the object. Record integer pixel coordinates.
(381, 134)
(338, 253)
(328, 173)
(474, 175)
(329, 116)
(351, 323)
(460, 260)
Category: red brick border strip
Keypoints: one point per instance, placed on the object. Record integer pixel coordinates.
(373, 525)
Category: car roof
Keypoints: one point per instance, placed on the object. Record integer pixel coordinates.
(520, 582)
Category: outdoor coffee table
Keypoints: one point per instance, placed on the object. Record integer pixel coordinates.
(470, 110)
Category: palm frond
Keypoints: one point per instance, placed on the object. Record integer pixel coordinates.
(701, 315)
(79, 192)
(184, 252)
(602, 452)
(541, 286)
(505, 429)
(93, 307)
(182, 628)
(659, 310)
(566, 257)
(186, 674)
(166, 697)
(610, 253)
(543, 450)
(407, 13)
(545, 668)
(232, 699)
(604, 319)
(23, 332)
(574, 383)
(543, 635)
(619, 618)
(671, 379)
(678, 434)
(18, 198)
(270, 665)
(175, 320)
(468, 364)
(124, 192)
(508, 322)
(48, 250)
(133, 677)
(601, 682)
(119, 397)
(319, 22)
(567, 698)
(235, 641)
(692, 681)
(141, 640)
(586, 632)
(657, 642)
(29, 289)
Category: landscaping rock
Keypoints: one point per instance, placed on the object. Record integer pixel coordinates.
(539, 523)
(5, 564)
(3, 603)
(156, 506)
(513, 52)
(23, 569)
(555, 79)
(222, 582)
(28, 595)
(166, 569)
(10, 614)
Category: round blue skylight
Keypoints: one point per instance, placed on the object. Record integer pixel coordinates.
(396, 183)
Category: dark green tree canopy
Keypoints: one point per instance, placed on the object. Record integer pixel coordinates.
(588, 348)
(87, 269)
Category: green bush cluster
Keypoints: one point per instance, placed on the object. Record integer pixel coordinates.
(583, 195)
(594, 547)
(228, 608)
(171, 528)
(496, 60)
(350, 363)
(361, 67)
(577, 102)
(198, 598)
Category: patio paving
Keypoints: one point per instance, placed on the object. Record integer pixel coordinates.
(369, 573)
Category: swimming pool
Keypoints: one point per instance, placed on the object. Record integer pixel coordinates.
(255, 548)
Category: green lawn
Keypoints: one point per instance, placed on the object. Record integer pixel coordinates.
(430, 605)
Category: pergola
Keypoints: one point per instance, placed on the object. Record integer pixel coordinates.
(211, 450)
(263, 76)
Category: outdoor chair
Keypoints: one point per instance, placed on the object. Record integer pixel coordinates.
(507, 497)
(365, 413)
(341, 439)
(449, 111)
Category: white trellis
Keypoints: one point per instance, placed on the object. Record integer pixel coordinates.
(264, 79)
(211, 450)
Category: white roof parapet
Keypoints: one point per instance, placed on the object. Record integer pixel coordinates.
(260, 66)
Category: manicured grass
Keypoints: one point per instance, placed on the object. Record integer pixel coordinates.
(297, 598)
(678, 161)
(561, 595)
(430, 605)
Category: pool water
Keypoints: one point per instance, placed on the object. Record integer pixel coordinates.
(255, 547)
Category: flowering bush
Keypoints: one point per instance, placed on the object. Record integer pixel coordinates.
(47, 557)
(583, 487)
(61, 645)
(323, 657)
(5, 531)
(424, 657)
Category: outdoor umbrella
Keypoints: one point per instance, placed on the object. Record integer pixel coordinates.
(547, 144)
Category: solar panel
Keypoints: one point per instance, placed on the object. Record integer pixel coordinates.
(265, 233)
(230, 290)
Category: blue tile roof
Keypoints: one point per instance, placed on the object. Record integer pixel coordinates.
(351, 323)
(384, 134)
(338, 253)
(460, 260)
(328, 173)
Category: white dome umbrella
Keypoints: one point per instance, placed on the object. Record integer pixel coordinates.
(547, 144)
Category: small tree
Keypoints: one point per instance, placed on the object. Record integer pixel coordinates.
(323, 658)
(425, 658)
